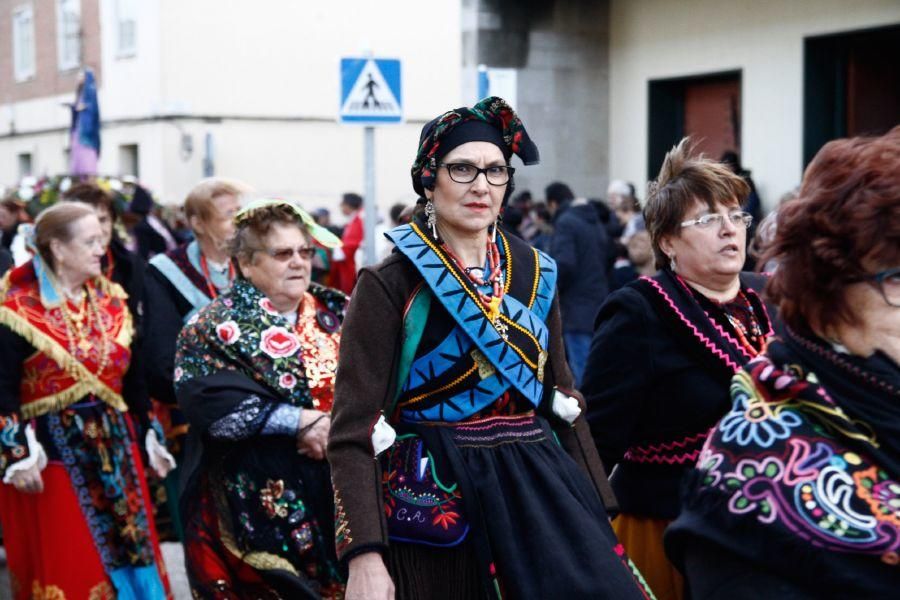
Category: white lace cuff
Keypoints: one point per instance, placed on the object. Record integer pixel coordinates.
(36, 456)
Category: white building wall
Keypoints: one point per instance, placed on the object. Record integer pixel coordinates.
(656, 39)
(263, 79)
(276, 70)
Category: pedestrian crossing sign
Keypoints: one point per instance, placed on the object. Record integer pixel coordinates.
(371, 92)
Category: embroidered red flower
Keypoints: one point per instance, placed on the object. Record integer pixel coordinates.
(228, 332)
(278, 342)
(267, 306)
(445, 519)
(287, 381)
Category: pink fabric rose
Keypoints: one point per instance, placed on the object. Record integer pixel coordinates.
(267, 306)
(278, 342)
(228, 332)
(287, 381)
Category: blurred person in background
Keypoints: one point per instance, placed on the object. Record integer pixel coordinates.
(666, 348)
(796, 491)
(343, 259)
(178, 284)
(397, 219)
(621, 198)
(523, 203)
(152, 234)
(118, 263)
(14, 221)
(12, 213)
(581, 248)
(543, 227)
(635, 258)
(74, 504)
(255, 376)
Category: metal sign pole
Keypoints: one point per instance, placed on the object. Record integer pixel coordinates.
(371, 209)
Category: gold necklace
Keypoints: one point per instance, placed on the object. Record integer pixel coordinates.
(75, 323)
(75, 330)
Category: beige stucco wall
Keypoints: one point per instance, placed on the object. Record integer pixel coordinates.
(654, 39)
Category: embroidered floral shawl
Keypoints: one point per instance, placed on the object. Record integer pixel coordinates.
(242, 331)
(803, 475)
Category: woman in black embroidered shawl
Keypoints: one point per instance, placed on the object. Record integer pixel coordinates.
(666, 347)
(797, 492)
(254, 375)
(456, 341)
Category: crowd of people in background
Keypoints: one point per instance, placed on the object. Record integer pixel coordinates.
(182, 373)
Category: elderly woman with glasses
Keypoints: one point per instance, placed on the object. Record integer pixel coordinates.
(797, 491)
(255, 377)
(666, 347)
(453, 374)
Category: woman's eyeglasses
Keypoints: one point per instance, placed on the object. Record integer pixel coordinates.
(466, 173)
(737, 218)
(286, 254)
(888, 282)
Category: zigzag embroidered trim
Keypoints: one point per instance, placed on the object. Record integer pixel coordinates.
(677, 452)
(705, 340)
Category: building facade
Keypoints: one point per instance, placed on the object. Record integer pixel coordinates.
(191, 88)
(604, 86)
(770, 80)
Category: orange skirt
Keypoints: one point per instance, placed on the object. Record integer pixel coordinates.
(643, 541)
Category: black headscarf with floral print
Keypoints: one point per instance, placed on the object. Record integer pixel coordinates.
(493, 111)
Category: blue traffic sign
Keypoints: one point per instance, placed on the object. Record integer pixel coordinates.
(371, 92)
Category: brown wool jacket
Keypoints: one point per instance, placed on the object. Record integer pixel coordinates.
(366, 382)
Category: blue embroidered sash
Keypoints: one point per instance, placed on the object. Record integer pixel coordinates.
(197, 297)
(475, 364)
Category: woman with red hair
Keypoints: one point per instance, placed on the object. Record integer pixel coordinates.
(797, 491)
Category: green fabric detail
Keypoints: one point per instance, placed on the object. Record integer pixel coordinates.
(413, 328)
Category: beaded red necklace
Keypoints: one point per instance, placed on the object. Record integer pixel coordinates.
(741, 330)
(736, 324)
(492, 302)
(213, 292)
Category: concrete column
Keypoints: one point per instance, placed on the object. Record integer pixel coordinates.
(561, 51)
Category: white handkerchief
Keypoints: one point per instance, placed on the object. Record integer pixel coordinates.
(160, 459)
(565, 407)
(383, 436)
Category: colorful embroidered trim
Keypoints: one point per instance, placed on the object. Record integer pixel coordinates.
(495, 431)
(705, 340)
(684, 451)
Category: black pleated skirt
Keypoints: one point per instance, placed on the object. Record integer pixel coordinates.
(538, 526)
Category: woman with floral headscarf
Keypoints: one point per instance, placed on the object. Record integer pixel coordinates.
(453, 374)
(254, 374)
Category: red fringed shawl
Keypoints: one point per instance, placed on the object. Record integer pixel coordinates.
(53, 377)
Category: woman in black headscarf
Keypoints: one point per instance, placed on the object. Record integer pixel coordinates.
(492, 487)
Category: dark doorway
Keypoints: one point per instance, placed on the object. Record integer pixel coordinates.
(851, 86)
(707, 108)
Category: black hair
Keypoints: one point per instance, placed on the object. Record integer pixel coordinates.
(558, 192)
(352, 200)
